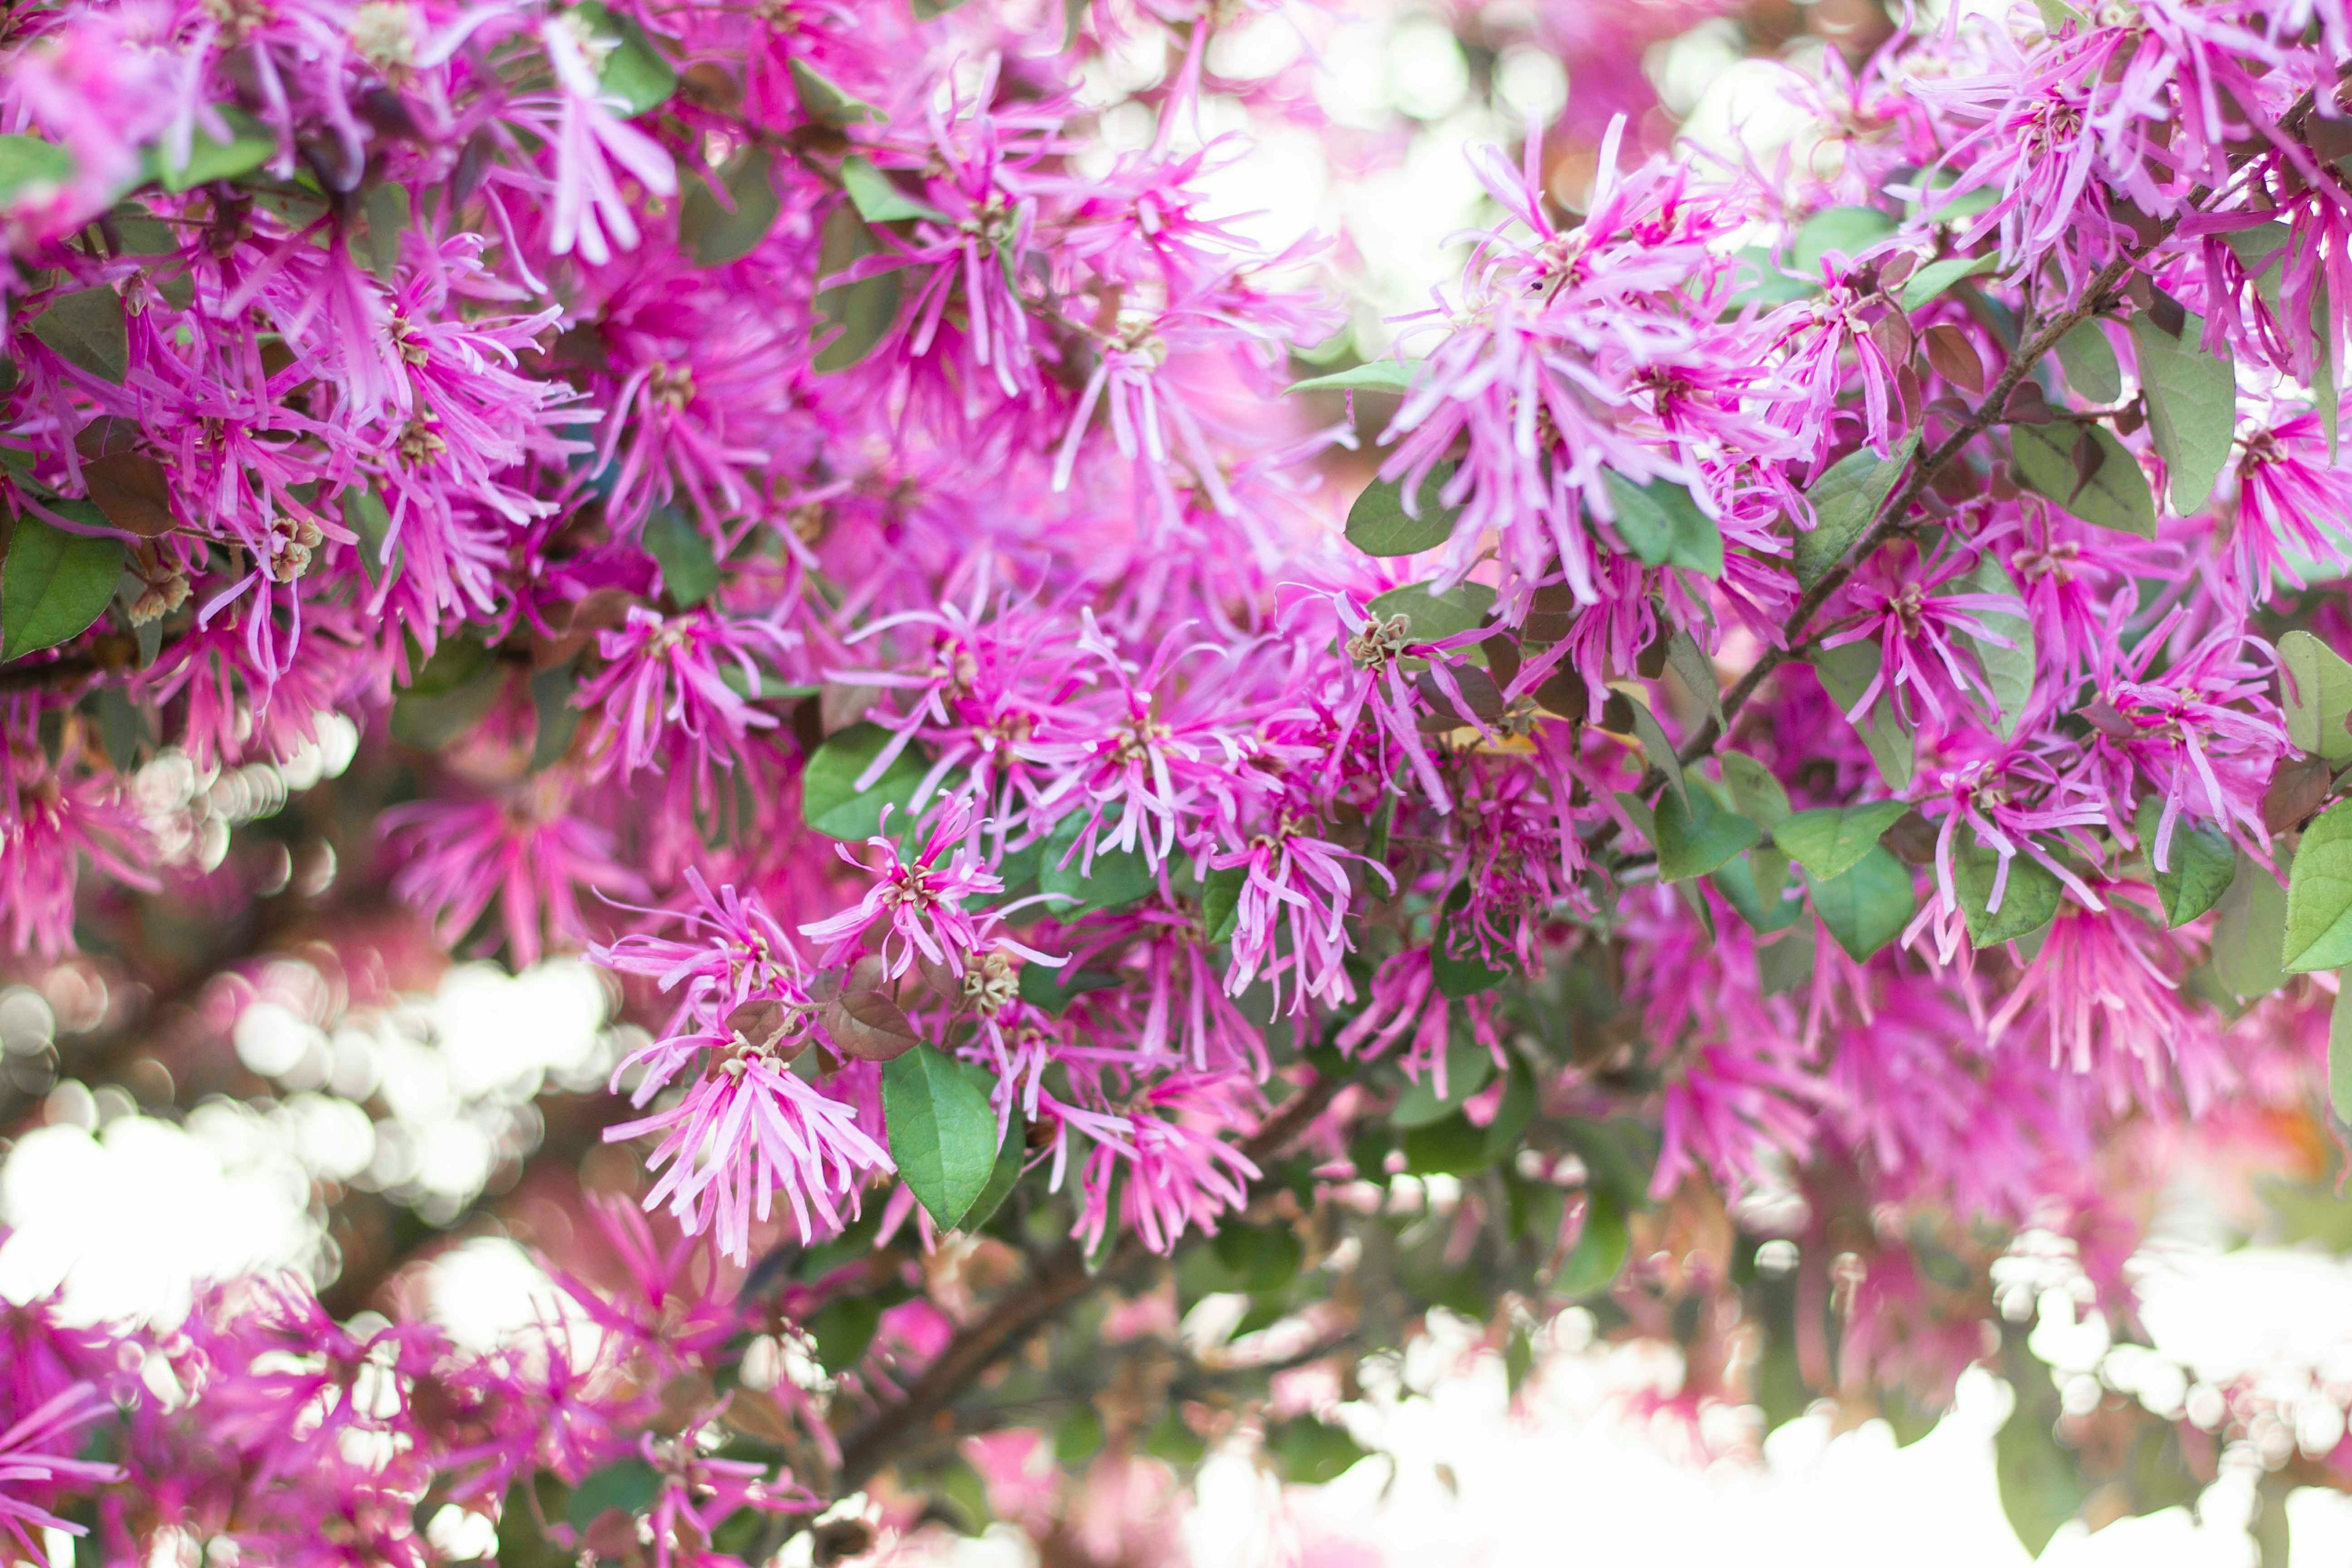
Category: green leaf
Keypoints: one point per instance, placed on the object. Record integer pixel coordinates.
(1593, 1264)
(365, 515)
(1513, 1112)
(1663, 527)
(1002, 1178)
(127, 730)
(1312, 1452)
(557, 718)
(2116, 496)
(1462, 974)
(1696, 838)
(449, 696)
(831, 801)
(1373, 375)
(1845, 672)
(1787, 964)
(2201, 861)
(2041, 1481)
(1378, 523)
(876, 198)
(629, 1485)
(1849, 231)
(1696, 673)
(1116, 878)
(2028, 902)
(1845, 501)
(1830, 841)
(2250, 932)
(824, 102)
(53, 585)
(1938, 276)
(26, 162)
(1451, 1146)
(2192, 406)
(690, 571)
(942, 1133)
(720, 234)
(844, 1328)
(2009, 671)
(1078, 1437)
(851, 317)
(1756, 795)
(1867, 907)
(1468, 1066)
(1258, 1256)
(2090, 362)
(387, 220)
(1434, 616)
(2319, 895)
(1756, 885)
(1042, 985)
(250, 144)
(2339, 1048)
(1220, 897)
(2317, 692)
(1659, 750)
(634, 71)
(1772, 283)
(85, 330)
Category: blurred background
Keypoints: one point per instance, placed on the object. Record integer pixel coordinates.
(286, 1074)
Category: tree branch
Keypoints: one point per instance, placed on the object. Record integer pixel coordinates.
(1056, 1282)
(1888, 521)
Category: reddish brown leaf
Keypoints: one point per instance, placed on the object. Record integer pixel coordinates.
(2089, 457)
(2026, 406)
(870, 1027)
(1954, 357)
(2102, 715)
(1892, 334)
(133, 491)
(1479, 694)
(2298, 788)
(1563, 692)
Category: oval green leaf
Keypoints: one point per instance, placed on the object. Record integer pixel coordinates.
(1377, 524)
(53, 585)
(1831, 841)
(1867, 907)
(2028, 902)
(942, 1133)
(2192, 406)
(831, 801)
(2319, 896)
(1662, 526)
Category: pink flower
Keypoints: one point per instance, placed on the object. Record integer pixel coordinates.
(2293, 499)
(591, 211)
(746, 1131)
(921, 901)
(527, 851)
(665, 693)
(1175, 1171)
(1912, 613)
(34, 1463)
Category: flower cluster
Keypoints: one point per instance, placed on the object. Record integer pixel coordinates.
(1827, 658)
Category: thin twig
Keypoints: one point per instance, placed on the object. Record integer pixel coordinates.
(1888, 521)
(1056, 1282)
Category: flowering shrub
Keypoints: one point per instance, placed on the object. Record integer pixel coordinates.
(1787, 734)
